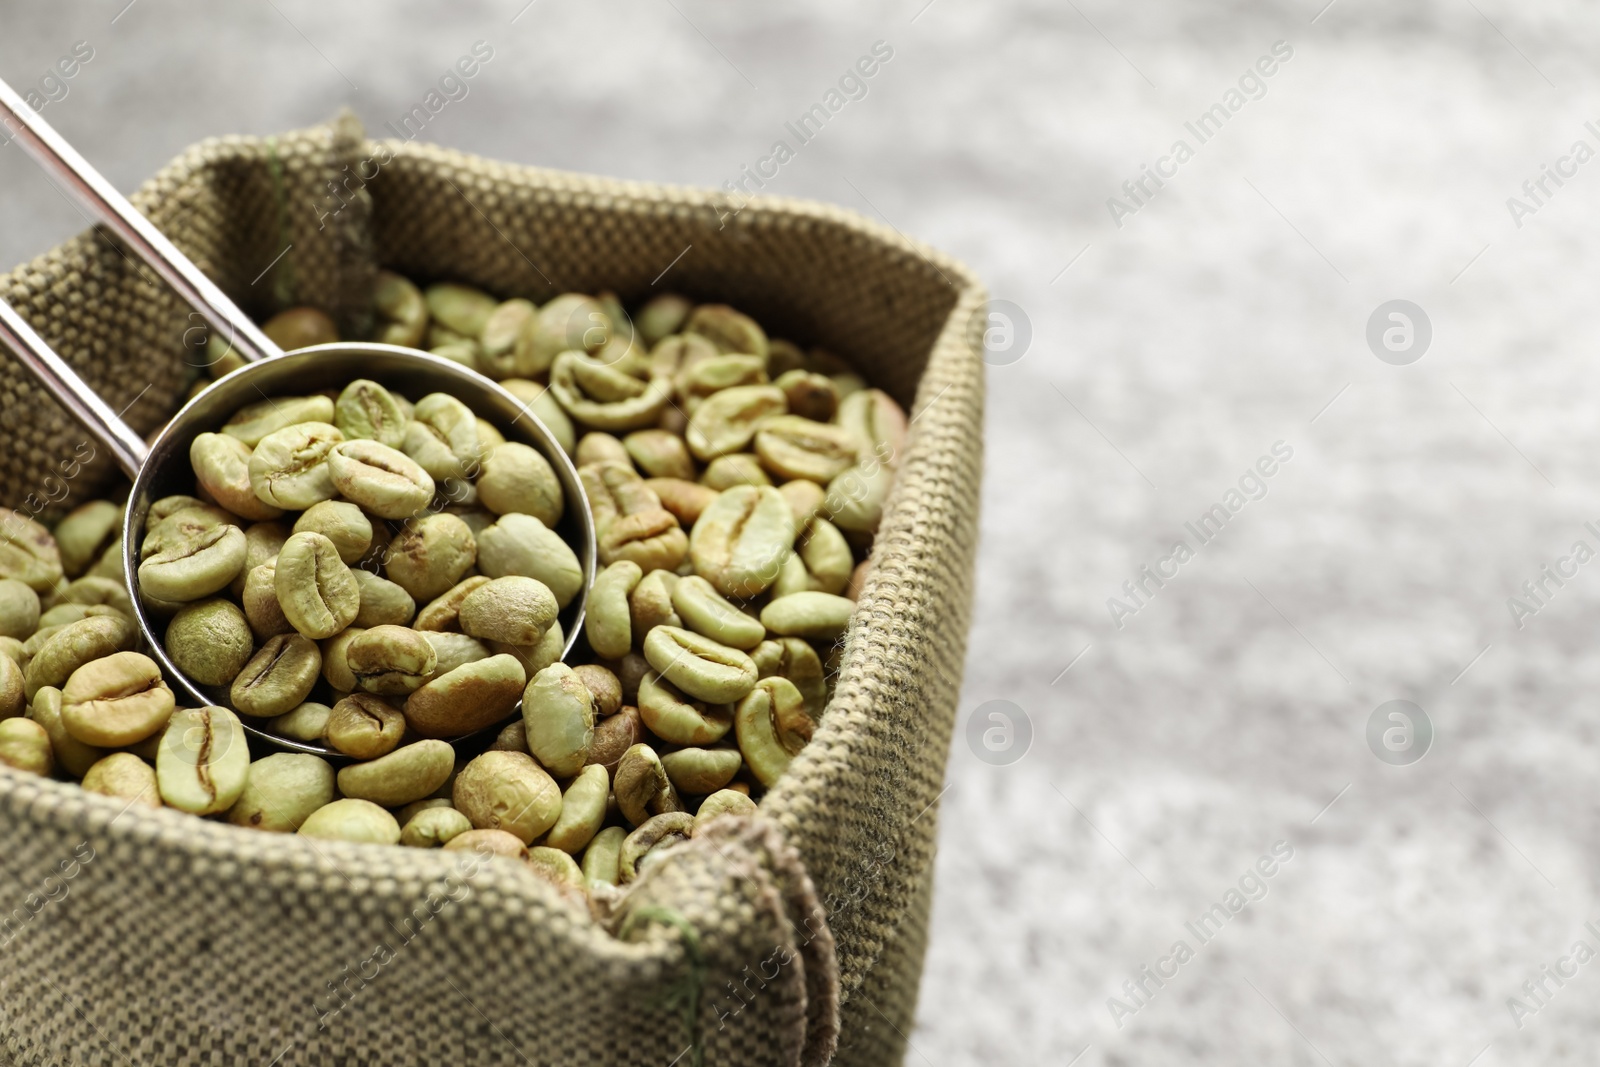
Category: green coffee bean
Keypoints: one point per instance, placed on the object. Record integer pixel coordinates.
(74, 645)
(84, 533)
(513, 737)
(556, 867)
(795, 659)
(794, 447)
(360, 821)
(19, 609)
(460, 307)
(126, 777)
(686, 500)
(704, 611)
(703, 668)
(701, 378)
(289, 467)
(512, 609)
(650, 840)
(383, 603)
(442, 437)
(194, 565)
(614, 736)
(515, 478)
(210, 641)
(571, 321)
(771, 726)
(314, 586)
(65, 614)
(729, 330)
(254, 423)
(812, 396)
(336, 660)
(430, 555)
(650, 603)
(855, 499)
(74, 756)
(559, 713)
(222, 467)
(641, 786)
(827, 556)
(409, 773)
(499, 339)
(186, 522)
(740, 468)
(435, 828)
(662, 316)
(27, 552)
(877, 423)
(725, 422)
(598, 447)
(25, 746)
(94, 591)
(390, 660)
(169, 506)
(534, 658)
(301, 327)
(701, 770)
(402, 310)
(607, 623)
(13, 689)
(522, 544)
(660, 454)
(381, 479)
(544, 406)
(282, 790)
(366, 411)
(262, 543)
(365, 727)
(308, 723)
(805, 500)
(440, 799)
(489, 843)
(467, 698)
(742, 539)
(606, 398)
(508, 791)
(342, 523)
(792, 578)
(278, 678)
(443, 612)
(600, 859)
(203, 761)
(722, 802)
(583, 810)
(605, 688)
(455, 650)
(674, 718)
(820, 616)
(116, 701)
(629, 521)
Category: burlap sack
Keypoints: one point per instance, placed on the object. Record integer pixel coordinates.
(797, 937)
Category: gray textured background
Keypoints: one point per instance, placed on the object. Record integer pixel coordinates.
(1223, 317)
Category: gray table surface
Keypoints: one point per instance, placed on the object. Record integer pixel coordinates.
(1167, 354)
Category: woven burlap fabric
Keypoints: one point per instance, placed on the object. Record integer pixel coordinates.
(774, 940)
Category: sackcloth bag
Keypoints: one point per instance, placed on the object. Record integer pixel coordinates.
(794, 937)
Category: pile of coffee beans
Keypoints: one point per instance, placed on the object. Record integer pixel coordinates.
(382, 576)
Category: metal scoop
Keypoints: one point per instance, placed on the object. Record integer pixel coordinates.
(162, 468)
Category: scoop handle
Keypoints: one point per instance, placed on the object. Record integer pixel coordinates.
(79, 180)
